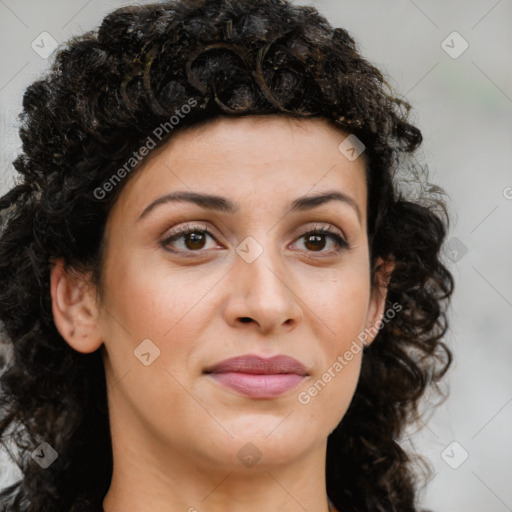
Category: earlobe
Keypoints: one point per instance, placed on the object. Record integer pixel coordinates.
(383, 271)
(74, 308)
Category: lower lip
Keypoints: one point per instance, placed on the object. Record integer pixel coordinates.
(259, 386)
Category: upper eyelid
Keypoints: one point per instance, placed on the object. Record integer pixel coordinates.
(318, 226)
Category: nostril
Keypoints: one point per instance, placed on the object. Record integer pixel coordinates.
(245, 319)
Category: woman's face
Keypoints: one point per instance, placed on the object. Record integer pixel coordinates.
(249, 280)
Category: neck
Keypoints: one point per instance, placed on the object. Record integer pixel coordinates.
(161, 478)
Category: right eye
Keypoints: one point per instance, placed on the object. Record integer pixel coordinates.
(191, 243)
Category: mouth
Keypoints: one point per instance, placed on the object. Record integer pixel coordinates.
(258, 377)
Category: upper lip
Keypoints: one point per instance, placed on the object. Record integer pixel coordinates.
(259, 365)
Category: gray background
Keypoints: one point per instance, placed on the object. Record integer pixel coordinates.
(464, 107)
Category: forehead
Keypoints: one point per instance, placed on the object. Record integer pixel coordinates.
(252, 160)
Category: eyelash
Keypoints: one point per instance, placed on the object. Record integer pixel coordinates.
(181, 232)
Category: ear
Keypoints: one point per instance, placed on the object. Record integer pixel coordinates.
(383, 271)
(74, 307)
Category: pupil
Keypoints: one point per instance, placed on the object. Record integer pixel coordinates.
(316, 239)
(195, 238)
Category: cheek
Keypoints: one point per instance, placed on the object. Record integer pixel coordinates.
(149, 303)
(341, 304)
(146, 300)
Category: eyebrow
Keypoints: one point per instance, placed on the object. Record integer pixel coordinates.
(222, 204)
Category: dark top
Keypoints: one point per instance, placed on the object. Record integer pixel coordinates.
(85, 505)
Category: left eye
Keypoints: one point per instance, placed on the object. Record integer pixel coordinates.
(194, 238)
(315, 236)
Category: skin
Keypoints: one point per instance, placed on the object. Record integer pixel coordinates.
(175, 432)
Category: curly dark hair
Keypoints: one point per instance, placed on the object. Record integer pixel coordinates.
(104, 94)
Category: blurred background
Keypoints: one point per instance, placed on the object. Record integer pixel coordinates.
(452, 60)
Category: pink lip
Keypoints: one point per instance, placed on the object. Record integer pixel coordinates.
(258, 377)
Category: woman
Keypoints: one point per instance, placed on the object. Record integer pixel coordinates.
(215, 294)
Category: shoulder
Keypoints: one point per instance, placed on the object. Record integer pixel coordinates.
(332, 508)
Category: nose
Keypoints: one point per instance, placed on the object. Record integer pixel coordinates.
(262, 294)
